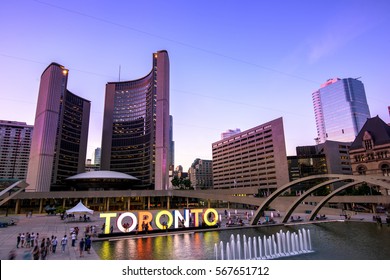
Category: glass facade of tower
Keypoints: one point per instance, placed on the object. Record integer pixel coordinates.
(133, 129)
(69, 144)
(136, 127)
(341, 109)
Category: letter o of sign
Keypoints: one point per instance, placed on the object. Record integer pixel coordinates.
(121, 217)
(206, 214)
(158, 216)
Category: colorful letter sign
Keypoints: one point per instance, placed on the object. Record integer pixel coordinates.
(175, 218)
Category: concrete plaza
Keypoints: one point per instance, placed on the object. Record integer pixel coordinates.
(48, 225)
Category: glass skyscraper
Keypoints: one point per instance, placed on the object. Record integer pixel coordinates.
(340, 109)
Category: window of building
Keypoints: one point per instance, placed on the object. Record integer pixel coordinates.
(385, 168)
(368, 144)
(361, 170)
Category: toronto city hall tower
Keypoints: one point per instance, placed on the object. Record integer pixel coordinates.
(59, 141)
(136, 126)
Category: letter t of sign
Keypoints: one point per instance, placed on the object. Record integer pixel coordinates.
(108, 217)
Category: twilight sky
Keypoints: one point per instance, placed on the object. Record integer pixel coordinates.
(234, 64)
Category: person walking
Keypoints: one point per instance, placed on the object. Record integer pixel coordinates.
(48, 246)
(35, 252)
(43, 249)
(22, 238)
(27, 241)
(18, 240)
(32, 240)
(54, 243)
(37, 239)
(81, 246)
(73, 236)
(88, 243)
(64, 241)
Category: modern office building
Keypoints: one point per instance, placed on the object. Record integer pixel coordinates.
(89, 166)
(59, 142)
(337, 156)
(307, 165)
(97, 156)
(15, 143)
(136, 126)
(330, 157)
(201, 174)
(255, 157)
(340, 109)
(370, 152)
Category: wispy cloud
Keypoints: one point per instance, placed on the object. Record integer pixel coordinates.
(338, 32)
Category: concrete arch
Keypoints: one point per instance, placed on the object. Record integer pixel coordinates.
(374, 180)
(11, 191)
(280, 190)
(302, 197)
(328, 197)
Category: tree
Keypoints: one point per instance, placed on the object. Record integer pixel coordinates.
(181, 183)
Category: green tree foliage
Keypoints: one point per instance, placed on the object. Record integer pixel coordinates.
(181, 183)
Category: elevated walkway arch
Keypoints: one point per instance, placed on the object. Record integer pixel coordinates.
(11, 191)
(350, 180)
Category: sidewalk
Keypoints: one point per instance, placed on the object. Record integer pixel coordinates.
(46, 226)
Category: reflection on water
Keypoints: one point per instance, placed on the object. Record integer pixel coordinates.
(330, 241)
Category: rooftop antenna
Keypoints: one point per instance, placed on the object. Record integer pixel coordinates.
(119, 72)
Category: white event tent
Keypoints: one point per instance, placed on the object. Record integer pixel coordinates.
(80, 208)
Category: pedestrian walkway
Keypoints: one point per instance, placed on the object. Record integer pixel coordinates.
(46, 226)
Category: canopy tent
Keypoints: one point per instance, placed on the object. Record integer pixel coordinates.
(79, 209)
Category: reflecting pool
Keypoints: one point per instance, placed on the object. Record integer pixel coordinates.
(330, 241)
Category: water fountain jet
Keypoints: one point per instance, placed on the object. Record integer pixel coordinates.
(275, 246)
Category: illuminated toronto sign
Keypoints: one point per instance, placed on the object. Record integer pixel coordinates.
(128, 221)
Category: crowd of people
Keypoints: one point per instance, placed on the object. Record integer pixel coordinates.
(84, 244)
(38, 248)
(35, 247)
(378, 219)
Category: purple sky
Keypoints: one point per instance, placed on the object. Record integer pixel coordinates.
(234, 64)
